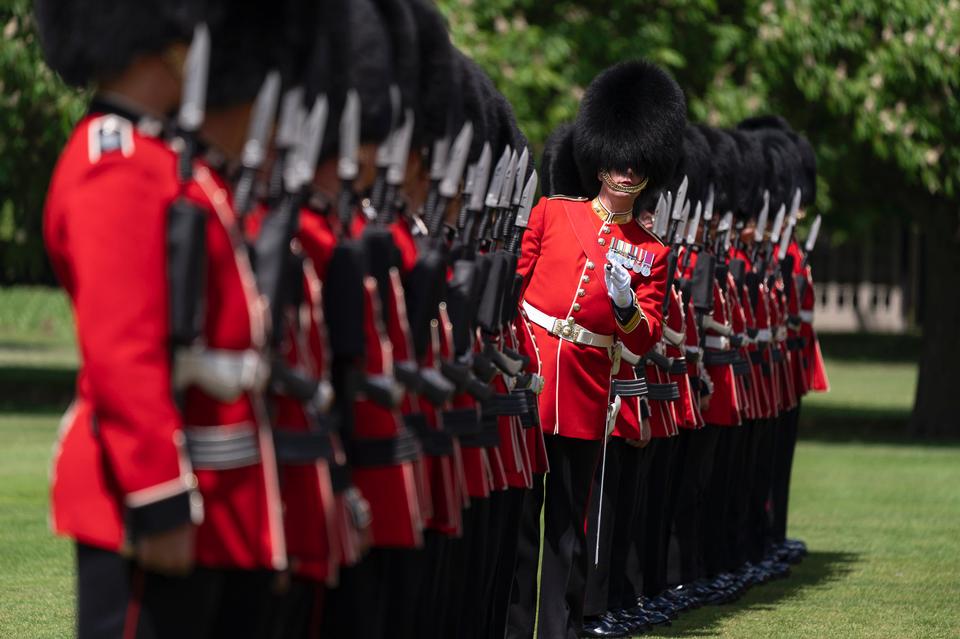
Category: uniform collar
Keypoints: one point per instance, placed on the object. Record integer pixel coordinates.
(608, 217)
(146, 124)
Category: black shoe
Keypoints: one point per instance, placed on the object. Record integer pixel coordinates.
(603, 626)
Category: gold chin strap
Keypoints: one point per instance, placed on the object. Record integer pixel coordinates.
(613, 186)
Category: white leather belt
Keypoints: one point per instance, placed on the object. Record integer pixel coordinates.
(718, 342)
(674, 338)
(764, 335)
(566, 329)
(222, 374)
(806, 317)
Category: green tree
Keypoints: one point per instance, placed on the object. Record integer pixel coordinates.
(872, 83)
(37, 112)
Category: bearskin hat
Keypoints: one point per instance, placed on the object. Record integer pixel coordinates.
(560, 173)
(473, 103)
(632, 116)
(441, 108)
(805, 152)
(402, 27)
(371, 69)
(751, 178)
(725, 165)
(695, 164)
(96, 39)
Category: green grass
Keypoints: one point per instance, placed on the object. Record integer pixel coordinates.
(881, 522)
(36, 328)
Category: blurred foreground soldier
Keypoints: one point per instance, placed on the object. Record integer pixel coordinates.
(594, 282)
(164, 474)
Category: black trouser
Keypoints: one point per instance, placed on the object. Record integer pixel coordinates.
(691, 521)
(736, 497)
(606, 508)
(116, 599)
(635, 556)
(783, 467)
(466, 585)
(522, 612)
(766, 458)
(433, 591)
(657, 518)
(746, 530)
(506, 562)
(718, 494)
(357, 606)
(633, 478)
(563, 571)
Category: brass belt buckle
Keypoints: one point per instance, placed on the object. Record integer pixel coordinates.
(566, 329)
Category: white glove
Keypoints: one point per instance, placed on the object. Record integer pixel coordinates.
(618, 285)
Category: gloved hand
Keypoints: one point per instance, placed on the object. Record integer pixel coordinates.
(618, 285)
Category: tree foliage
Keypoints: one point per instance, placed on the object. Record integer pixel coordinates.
(37, 112)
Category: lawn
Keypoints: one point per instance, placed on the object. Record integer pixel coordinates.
(881, 514)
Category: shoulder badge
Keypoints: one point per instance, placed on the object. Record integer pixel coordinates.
(572, 198)
(653, 235)
(108, 134)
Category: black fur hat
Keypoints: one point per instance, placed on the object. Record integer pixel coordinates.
(560, 173)
(474, 101)
(402, 27)
(727, 175)
(441, 107)
(631, 116)
(327, 68)
(695, 164)
(96, 39)
(371, 69)
(806, 155)
(779, 153)
(751, 178)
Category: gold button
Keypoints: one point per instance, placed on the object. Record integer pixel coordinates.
(586, 279)
(581, 292)
(601, 241)
(605, 229)
(590, 265)
(576, 307)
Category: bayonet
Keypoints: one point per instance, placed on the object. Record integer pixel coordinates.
(196, 69)
(725, 225)
(521, 176)
(255, 148)
(400, 152)
(777, 225)
(660, 221)
(761, 228)
(709, 204)
(302, 163)
(458, 160)
(785, 241)
(681, 200)
(496, 183)
(526, 201)
(291, 119)
(480, 179)
(682, 222)
(694, 225)
(812, 235)
(660, 207)
(795, 207)
(348, 164)
(509, 179)
(438, 158)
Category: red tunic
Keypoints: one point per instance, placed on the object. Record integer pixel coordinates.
(562, 261)
(121, 442)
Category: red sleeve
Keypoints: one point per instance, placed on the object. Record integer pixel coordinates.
(530, 247)
(116, 229)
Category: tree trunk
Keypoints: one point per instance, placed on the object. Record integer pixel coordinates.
(936, 411)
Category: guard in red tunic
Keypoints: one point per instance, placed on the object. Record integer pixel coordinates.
(166, 458)
(594, 279)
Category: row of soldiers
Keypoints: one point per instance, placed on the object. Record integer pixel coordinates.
(332, 376)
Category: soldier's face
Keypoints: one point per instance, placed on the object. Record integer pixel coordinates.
(621, 201)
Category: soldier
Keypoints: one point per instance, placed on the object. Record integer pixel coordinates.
(577, 330)
(169, 408)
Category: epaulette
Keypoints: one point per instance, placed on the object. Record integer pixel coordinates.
(650, 233)
(572, 198)
(107, 134)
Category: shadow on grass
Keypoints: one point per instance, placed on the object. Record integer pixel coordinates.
(36, 389)
(817, 570)
(848, 425)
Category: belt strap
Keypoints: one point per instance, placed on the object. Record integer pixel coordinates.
(719, 358)
(776, 355)
(385, 451)
(461, 421)
(436, 443)
(679, 366)
(301, 448)
(806, 317)
(487, 437)
(531, 418)
(717, 342)
(222, 447)
(505, 405)
(663, 392)
(566, 329)
(629, 387)
(340, 478)
(741, 367)
(796, 343)
(756, 357)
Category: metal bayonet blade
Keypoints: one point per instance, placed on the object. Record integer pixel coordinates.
(291, 112)
(457, 161)
(682, 223)
(480, 179)
(681, 200)
(785, 241)
(261, 119)
(708, 206)
(694, 225)
(813, 234)
(438, 158)
(316, 128)
(795, 207)
(660, 207)
(294, 160)
(521, 176)
(496, 182)
(195, 71)
(660, 221)
(397, 171)
(526, 201)
(761, 228)
(348, 164)
(777, 224)
(509, 178)
(726, 223)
